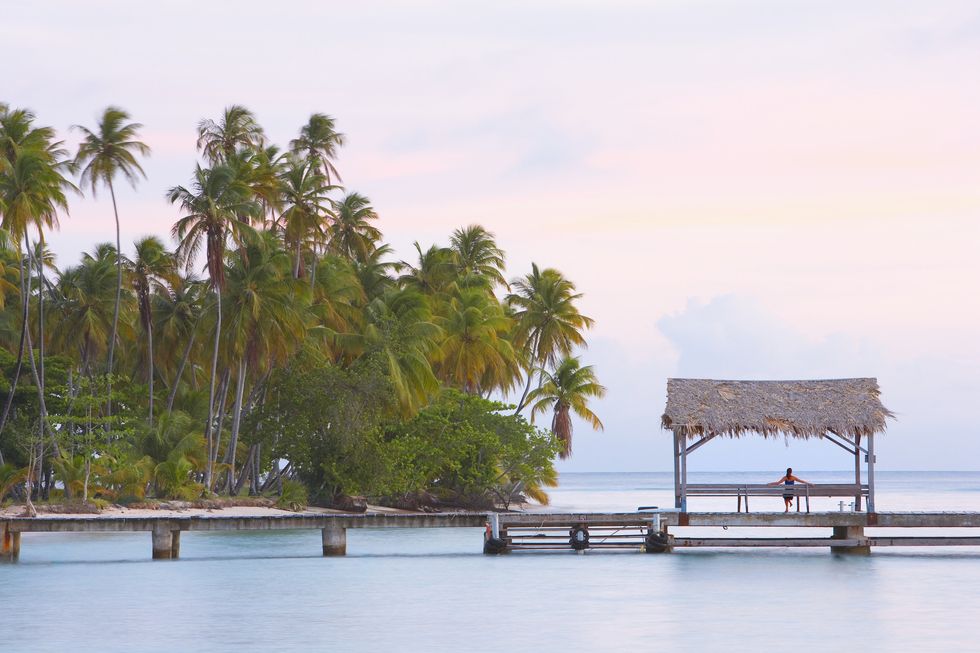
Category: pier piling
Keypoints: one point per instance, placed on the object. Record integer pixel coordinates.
(166, 542)
(10, 545)
(334, 540)
(851, 533)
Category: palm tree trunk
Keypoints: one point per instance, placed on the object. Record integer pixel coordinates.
(115, 313)
(20, 348)
(149, 344)
(235, 423)
(313, 270)
(253, 485)
(298, 254)
(248, 471)
(43, 409)
(209, 472)
(527, 388)
(221, 411)
(530, 375)
(180, 368)
(40, 308)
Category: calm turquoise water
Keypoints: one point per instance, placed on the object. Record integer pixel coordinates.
(432, 590)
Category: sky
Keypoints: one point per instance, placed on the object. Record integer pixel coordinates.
(754, 189)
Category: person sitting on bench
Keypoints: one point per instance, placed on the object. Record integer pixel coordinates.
(787, 481)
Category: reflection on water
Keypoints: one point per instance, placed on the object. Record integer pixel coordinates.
(431, 590)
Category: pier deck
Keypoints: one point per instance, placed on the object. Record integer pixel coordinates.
(532, 531)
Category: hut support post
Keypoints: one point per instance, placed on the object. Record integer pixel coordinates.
(871, 473)
(683, 446)
(677, 470)
(857, 471)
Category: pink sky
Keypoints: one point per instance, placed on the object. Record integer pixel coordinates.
(751, 189)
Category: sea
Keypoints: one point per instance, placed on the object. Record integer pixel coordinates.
(433, 590)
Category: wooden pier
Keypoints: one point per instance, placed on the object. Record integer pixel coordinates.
(651, 532)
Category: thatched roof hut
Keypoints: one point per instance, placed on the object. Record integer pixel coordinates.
(798, 409)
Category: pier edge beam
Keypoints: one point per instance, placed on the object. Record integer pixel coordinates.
(334, 540)
(851, 533)
(10, 545)
(166, 542)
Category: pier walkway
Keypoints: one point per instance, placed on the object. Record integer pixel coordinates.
(506, 532)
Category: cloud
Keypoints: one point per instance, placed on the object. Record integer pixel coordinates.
(737, 337)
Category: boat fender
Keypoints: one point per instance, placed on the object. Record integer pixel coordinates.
(578, 537)
(657, 542)
(494, 546)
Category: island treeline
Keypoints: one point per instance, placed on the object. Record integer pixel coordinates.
(279, 347)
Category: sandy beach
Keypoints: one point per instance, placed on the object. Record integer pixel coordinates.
(174, 509)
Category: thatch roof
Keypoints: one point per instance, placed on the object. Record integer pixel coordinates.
(798, 409)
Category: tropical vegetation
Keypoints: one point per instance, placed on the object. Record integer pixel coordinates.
(278, 346)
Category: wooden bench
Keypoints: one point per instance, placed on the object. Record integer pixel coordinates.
(800, 491)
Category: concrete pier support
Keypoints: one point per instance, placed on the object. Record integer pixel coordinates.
(10, 545)
(334, 540)
(863, 547)
(174, 544)
(166, 542)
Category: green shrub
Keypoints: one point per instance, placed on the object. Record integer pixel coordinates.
(294, 496)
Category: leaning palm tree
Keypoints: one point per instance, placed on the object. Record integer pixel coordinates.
(109, 151)
(319, 141)
(216, 207)
(549, 323)
(151, 270)
(565, 391)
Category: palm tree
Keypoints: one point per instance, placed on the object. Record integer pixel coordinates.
(475, 354)
(478, 259)
(41, 160)
(267, 314)
(109, 151)
(337, 300)
(215, 208)
(549, 323)
(236, 129)
(177, 314)
(151, 269)
(32, 191)
(351, 234)
(84, 300)
(373, 272)
(435, 273)
(399, 328)
(565, 391)
(8, 273)
(319, 141)
(304, 192)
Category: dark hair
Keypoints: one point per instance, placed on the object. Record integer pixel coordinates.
(789, 471)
